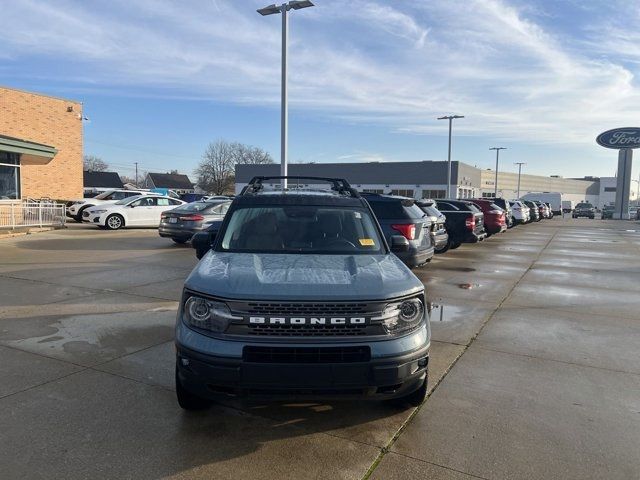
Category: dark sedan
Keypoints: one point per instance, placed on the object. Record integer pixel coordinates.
(181, 223)
(400, 215)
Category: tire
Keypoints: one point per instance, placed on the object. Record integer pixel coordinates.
(443, 249)
(78, 217)
(180, 241)
(114, 221)
(454, 245)
(187, 400)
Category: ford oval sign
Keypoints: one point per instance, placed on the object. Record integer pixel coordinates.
(620, 138)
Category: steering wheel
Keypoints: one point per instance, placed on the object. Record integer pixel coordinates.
(337, 242)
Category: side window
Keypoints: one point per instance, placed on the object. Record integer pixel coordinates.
(162, 202)
(118, 196)
(445, 206)
(224, 208)
(174, 202)
(131, 194)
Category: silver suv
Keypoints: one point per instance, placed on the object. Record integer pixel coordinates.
(300, 295)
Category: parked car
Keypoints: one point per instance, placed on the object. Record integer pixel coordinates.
(506, 206)
(465, 221)
(182, 222)
(607, 211)
(549, 209)
(300, 295)
(542, 209)
(439, 235)
(401, 215)
(552, 199)
(567, 206)
(521, 213)
(534, 210)
(584, 209)
(495, 219)
(76, 208)
(138, 211)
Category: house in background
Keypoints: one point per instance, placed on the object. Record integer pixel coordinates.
(100, 181)
(172, 181)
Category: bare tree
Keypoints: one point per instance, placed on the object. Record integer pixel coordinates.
(91, 163)
(216, 170)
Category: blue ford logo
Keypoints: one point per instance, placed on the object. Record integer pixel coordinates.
(620, 138)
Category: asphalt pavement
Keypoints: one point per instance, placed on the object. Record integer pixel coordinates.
(534, 370)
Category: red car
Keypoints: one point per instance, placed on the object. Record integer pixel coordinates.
(495, 219)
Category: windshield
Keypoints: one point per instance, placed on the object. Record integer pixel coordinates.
(301, 229)
(104, 195)
(584, 205)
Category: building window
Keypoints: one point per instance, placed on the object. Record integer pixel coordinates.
(488, 194)
(609, 189)
(403, 192)
(372, 190)
(434, 193)
(9, 176)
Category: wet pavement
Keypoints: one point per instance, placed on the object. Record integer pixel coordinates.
(534, 370)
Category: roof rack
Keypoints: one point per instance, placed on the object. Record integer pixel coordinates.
(339, 185)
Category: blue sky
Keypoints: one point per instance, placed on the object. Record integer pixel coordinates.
(160, 78)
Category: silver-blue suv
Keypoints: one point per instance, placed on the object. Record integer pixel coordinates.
(300, 295)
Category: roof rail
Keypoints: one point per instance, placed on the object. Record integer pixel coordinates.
(339, 185)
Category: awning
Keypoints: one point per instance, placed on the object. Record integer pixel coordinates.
(30, 152)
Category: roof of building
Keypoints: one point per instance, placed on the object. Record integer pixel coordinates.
(423, 172)
(70, 100)
(102, 180)
(177, 181)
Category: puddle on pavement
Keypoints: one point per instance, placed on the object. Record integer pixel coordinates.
(443, 313)
(468, 286)
(457, 269)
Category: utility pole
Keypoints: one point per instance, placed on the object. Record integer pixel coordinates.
(519, 172)
(284, 102)
(497, 149)
(136, 174)
(450, 118)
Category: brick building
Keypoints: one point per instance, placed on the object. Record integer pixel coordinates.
(40, 146)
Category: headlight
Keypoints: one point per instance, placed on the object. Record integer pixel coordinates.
(207, 314)
(97, 211)
(402, 316)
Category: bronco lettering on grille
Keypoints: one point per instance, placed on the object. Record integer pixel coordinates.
(308, 321)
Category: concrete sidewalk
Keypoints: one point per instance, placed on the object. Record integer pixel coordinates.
(549, 389)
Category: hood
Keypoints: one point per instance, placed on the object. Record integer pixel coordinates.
(302, 277)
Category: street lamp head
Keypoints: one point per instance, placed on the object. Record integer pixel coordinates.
(298, 4)
(498, 148)
(269, 10)
(450, 117)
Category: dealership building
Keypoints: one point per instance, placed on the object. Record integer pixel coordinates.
(428, 179)
(40, 146)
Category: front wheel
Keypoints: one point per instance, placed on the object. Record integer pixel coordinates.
(114, 222)
(454, 245)
(442, 249)
(187, 400)
(179, 241)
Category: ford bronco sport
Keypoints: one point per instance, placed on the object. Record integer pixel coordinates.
(300, 295)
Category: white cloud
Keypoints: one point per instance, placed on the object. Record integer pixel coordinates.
(511, 75)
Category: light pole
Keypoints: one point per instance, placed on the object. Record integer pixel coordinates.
(519, 172)
(284, 114)
(497, 149)
(450, 118)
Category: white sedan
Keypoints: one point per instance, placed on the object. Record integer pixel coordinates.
(139, 211)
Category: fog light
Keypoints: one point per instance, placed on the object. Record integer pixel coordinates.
(423, 362)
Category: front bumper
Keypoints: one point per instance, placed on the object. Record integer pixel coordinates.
(211, 367)
(95, 218)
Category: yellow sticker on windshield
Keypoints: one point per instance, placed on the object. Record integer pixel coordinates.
(367, 242)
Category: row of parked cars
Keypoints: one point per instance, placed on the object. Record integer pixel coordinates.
(429, 226)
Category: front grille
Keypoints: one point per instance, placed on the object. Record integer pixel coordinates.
(306, 355)
(307, 330)
(306, 309)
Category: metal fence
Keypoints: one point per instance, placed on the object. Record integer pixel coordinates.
(31, 213)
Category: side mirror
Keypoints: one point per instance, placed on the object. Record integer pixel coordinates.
(202, 242)
(399, 243)
(131, 205)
